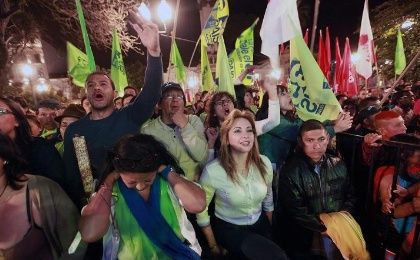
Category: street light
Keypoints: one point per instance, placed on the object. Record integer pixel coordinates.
(144, 12)
(164, 11)
(407, 24)
(27, 70)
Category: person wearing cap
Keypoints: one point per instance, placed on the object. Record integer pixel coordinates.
(365, 120)
(183, 135)
(71, 114)
(46, 112)
(104, 125)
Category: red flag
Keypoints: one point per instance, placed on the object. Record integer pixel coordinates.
(321, 54)
(338, 61)
(348, 75)
(327, 59)
(306, 37)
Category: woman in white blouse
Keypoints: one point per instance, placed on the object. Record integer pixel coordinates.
(240, 180)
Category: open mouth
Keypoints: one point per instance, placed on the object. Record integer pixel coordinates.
(98, 96)
(227, 111)
(245, 143)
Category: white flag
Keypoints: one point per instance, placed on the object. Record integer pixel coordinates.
(280, 24)
(365, 49)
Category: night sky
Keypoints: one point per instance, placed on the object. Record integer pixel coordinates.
(342, 16)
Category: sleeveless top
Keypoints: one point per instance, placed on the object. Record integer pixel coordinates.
(34, 245)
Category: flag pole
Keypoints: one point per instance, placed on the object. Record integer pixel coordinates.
(412, 62)
(173, 36)
(314, 24)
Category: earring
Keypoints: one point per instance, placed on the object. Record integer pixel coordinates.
(5, 162)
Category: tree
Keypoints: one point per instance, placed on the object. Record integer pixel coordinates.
(17, 30)
(102, 16)
(386, 19)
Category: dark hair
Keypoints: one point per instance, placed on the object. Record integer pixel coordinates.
(21, 101)
(131, 87)
(262, 113)
(117, 98)
(138, 153)
(23, 137)
(14, 164)
(366, 102)
(212, 120)
(309, 125)
(49, 103)
(100, 73)
(168, 86)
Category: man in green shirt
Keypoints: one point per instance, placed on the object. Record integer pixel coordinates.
(182, 135)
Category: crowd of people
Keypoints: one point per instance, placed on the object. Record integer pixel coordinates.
(219, 178)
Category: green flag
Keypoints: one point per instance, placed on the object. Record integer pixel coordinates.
(399, 62)
(207, 82)
(91, 59)
(308, 88)
(216, 22)
(225, 82)
(243, 55)
(118, 74)
(176, 61)
(77, 65)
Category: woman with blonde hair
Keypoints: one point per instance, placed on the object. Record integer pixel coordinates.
(240, 181)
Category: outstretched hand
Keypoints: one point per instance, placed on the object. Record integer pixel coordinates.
(148, 33)
(343, 122)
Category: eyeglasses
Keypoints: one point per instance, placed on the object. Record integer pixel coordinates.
(223, 102)
(4, 111)
(174, 97)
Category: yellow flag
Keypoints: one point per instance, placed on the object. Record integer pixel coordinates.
(216, 22)
(243, 55)
(308, 88)
(224, 80)
(207, 82)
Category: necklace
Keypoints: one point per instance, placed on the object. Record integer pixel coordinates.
(4, 190)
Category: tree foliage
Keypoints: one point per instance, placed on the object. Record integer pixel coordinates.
(102, 16)
(386, 20)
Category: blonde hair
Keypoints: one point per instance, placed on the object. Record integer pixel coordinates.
(226, 159)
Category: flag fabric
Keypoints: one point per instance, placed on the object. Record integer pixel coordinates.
(308, 87)
(306, 37)
(207, 82)
(118, 74)
(224, 80)
(399, 61)
(280, 24)
(243, 55)
(176, 61)
(365, 47)
(91, 59)
(337, 70)
(77, 65)
(321, 54)
(327, 59)
(216, 22)
(348, 80)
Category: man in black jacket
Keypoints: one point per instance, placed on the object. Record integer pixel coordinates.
(312, 182)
